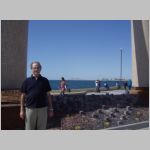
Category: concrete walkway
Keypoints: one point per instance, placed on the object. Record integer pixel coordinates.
(114, 92)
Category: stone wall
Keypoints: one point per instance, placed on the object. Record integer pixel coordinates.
(10, 117)
(69, 104)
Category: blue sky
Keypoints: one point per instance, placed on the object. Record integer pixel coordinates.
(80, 49)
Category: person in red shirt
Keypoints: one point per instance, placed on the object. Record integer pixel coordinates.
(62, 86)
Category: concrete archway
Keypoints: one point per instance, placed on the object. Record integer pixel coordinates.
(14, 53)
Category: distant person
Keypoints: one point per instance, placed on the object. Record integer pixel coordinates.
(129, 84)
(117, 85)
(36, 102)
(106, 86)
(97, 85)
(67, 88)
(62, 86)
(125, 85)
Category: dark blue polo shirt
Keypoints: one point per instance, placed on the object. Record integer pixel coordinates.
(36, 91)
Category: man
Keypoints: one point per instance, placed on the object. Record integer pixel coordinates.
(35, 94)
(129, 84)
(125, 85)
(117, 85)
(106, 86)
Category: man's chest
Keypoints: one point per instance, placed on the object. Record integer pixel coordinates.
(36, 85)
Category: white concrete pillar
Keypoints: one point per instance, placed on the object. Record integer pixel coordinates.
(140, 53)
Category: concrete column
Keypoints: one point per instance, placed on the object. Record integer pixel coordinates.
(140, 53)
(13, 53)
(140, 59)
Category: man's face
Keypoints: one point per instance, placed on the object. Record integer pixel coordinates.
(36, 69)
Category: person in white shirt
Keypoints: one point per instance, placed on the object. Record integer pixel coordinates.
(97, 85)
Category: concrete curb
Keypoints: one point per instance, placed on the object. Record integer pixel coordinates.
(135, 126)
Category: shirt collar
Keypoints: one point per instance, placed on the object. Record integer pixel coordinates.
(34, 77)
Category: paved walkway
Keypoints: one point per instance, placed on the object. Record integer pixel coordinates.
(114, 92)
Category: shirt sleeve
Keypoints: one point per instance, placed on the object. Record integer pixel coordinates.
(48, 87)
(24, 87)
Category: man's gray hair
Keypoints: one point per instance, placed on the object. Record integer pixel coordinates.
(36, 62)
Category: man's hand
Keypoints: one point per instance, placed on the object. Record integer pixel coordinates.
(50, 114)
(22, 114)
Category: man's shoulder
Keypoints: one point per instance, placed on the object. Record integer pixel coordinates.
(27, 79)
(44, 78)
(25, 82)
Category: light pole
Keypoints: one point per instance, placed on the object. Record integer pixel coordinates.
(120, 65)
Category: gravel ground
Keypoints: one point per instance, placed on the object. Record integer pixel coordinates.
(104, 118)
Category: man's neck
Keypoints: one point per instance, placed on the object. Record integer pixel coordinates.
(36, 76)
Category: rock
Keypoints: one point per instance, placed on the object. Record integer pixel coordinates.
(129, 112)
(116, 110)
(126, 112)
(107, 119)
(98, 111)
(123, 117)
(95, 115)
(81, 112)
(112, 115)
(119, 122)
(106, 124)
(137, 119)
(127, 108)
(139, 114)
(77, 128)
(101, 116)
(106, 112)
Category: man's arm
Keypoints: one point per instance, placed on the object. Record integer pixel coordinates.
(22, 100)
(50, 106)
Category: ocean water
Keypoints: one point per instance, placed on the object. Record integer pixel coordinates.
(81, 84)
